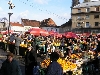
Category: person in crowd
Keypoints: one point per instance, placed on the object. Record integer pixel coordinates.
(34, 48)
(10, 66)
(11, 38)
(11, 45)
(37, 40)
(6, 45)
(54, 68)
(18, 40)
(30, 61)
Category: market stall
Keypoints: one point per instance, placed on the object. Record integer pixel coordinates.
(77, 64)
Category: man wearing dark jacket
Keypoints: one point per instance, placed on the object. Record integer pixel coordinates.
(54, 68)
(10, 66)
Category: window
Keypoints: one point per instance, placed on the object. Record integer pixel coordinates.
(97, 8)
(96, 23)
(78, 24)
(78, 17)
(87, 25)
(96, 16)
(79, 10)
(56, 29)
(88, 10)
(87, 16)
(51, 29)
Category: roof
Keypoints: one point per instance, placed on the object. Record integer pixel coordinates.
(48, 22)
(67, 24)
(16, 24)
(88, 4)
(33, 23)
(51, 26)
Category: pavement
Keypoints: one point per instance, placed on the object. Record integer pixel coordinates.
(19, 59)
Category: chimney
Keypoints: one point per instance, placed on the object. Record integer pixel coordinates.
(17, 22)
(86, 1)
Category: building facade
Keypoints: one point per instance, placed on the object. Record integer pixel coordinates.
(17, 27)
(86, 1)
(66, 27)
(86, 17)
(51, 28)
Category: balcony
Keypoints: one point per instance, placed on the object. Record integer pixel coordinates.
(80, 19)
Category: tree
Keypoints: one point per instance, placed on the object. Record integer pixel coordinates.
(4, 19)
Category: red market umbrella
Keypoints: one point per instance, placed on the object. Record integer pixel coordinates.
(38, 31)
(70, 35)
(44, 32)
(86, 34)
(58, 35)
(52, 32)
(33, 31)
(3, 32)
(75, 36)
(10, 31)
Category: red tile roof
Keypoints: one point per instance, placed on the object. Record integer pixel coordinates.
(16, 24)
(33, 23)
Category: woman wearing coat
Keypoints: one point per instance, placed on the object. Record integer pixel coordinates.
(30, 61)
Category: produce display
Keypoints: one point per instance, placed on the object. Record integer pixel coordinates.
(75, 56)
(45, 63)
(66, 65)
(73, 62)
(23, 45)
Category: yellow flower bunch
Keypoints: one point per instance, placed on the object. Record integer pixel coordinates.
(74, 56)
(23, 45)
(66, 65)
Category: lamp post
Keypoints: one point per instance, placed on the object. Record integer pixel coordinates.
(11, 6)
(9, 23)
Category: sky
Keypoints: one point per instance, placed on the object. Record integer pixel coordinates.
(58, 10)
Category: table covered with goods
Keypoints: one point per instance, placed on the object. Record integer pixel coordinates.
(77, 64)
(10, 46)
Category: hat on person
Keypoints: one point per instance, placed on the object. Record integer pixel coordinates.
(10, 54)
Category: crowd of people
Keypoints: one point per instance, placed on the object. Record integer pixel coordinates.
(50, 46)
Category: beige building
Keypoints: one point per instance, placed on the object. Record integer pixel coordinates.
(86, 17)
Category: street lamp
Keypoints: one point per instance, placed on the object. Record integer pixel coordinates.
(11, 6)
